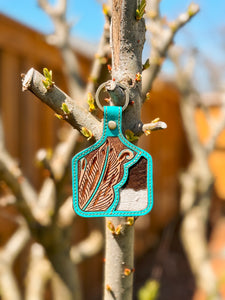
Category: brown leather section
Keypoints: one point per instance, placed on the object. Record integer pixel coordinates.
(137, 179)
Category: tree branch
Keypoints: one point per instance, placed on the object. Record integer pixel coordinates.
(53, 10)
(58, 166)
(19, 185)
(161, 38)
(66, 215)
(63, 153)
(119, 264)
(216, 128)
(153, 126)
(61, 39)
(54, 98)
(188, 103)
(9, 288)
(103, 51)
(127, 46)
(127, 40)
(196, 187)
(50, 236)
(39, 272)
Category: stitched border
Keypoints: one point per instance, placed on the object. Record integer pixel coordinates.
(110, 211)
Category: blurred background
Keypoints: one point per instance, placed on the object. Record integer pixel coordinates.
(165, 262)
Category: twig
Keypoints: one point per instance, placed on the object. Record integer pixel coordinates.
(216, 128)
(19, 185)
(63, 153)
(161, 38)
(61, 40)
(66, 214)
(8, 254)
(46, 202)
(39, 272)
(102, 52)
(154, 126)
(53, 10)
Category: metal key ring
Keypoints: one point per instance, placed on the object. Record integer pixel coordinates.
(118, 84)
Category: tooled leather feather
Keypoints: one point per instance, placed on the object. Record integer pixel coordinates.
(105, 194)
(89, 176)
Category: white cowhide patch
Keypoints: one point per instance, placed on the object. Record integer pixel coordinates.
(131, 200)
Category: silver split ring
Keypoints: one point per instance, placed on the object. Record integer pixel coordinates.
(118, 84)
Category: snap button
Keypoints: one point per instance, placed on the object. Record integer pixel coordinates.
(112, 125)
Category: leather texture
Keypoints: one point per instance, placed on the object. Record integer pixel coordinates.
(113, 177)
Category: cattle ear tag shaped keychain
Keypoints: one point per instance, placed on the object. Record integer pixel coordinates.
(113, 177)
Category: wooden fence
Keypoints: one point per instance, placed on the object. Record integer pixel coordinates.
(29, 125)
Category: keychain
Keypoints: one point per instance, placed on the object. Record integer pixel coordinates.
(113, 177)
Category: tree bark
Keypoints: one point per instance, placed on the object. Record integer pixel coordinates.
(119, 261)
(127, 40)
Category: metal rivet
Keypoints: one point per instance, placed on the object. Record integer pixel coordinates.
(112, 125)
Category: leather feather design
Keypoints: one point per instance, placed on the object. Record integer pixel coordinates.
(99, 175)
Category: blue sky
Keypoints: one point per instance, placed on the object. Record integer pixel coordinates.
(203, 32)
(86, 15)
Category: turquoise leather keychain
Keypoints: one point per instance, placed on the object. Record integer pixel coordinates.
(113, 177)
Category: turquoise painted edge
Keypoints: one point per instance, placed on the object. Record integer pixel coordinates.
(113, 113)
